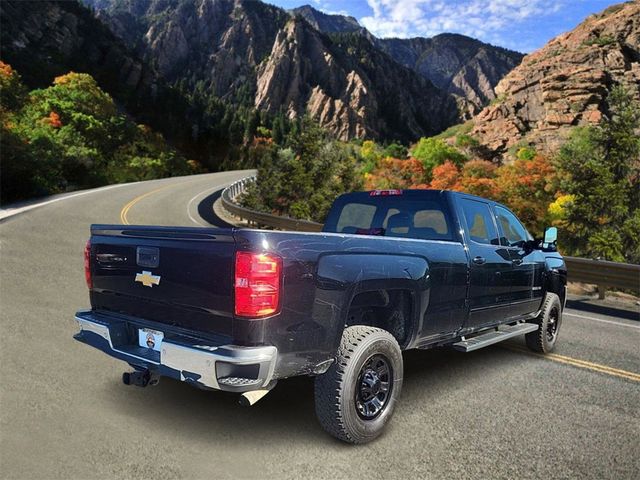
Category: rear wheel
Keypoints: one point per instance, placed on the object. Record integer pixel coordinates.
(544, 339)
(356, 397)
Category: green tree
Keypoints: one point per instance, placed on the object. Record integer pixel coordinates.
(433, 152)
(29, 167)
(600, 168)
(396, 150)
(278, 130)
(253, 121)
(12, 91)
(303, 179)
(72, 135)
(371, 153)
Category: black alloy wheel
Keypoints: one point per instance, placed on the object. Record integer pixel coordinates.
(375, 383)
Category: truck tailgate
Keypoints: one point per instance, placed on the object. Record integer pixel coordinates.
(176, 276)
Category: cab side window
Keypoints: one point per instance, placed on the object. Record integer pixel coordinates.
(479, 222)
(512, 231)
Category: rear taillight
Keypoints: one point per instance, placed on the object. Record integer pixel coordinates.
(87, 264)
(257, 284)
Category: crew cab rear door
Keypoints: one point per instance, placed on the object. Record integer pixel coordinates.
(490, 264)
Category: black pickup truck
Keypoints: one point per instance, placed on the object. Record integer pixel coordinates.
(239, 309)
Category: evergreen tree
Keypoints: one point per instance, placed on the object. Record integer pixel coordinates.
(253, 121)
(600, 167)
(278, 129)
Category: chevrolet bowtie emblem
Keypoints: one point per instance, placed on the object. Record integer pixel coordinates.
(148, 279)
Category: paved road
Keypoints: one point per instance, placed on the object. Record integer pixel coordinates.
(494, 413)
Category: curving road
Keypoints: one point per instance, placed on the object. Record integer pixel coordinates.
(494, 413)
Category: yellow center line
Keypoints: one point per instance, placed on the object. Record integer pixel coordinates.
(127, 207)
(596, 367)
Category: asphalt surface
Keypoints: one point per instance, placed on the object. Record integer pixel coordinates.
(495, 413)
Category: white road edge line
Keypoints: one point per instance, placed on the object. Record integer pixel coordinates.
(10, 212)
(603, 320)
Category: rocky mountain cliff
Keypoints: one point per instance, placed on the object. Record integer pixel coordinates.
(217, 42)
(349, 86)
(564, 84)
(459, 65)
(328, 23)
(252, 53)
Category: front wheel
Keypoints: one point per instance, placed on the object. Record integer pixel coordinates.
(544, 339)
(356, 397)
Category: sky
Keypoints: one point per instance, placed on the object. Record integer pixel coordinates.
(522, 25)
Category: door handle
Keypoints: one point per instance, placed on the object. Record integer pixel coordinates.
(517, 261)
(479, 260)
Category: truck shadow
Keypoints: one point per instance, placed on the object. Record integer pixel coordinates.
(287, 413)
(205, 210)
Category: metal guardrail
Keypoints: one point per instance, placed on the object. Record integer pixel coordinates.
(602, 273)
(229, 203)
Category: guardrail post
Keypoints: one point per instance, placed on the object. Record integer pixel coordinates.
(601, 291)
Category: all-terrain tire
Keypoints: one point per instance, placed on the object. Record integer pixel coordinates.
(338, 399)
(549, 321)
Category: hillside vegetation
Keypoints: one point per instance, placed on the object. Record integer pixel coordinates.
(71, 135)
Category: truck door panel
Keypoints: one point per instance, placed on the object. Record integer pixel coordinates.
(490, 265)
(528, 265)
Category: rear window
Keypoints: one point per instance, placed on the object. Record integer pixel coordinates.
(356, 215)
(391, 216)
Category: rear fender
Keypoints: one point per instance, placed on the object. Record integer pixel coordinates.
(343, 276)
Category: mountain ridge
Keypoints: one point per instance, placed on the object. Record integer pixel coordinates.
(458, 64)
(164, 36)
(222, 46)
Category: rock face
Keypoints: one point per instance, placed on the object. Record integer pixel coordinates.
(256, 54)
(328, 23)
(302, 75)
(218, 42)
(565, 83)
(307, 72)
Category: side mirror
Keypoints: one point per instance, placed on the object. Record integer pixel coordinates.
(550, 235)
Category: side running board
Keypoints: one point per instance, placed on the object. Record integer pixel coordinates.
(494, 336)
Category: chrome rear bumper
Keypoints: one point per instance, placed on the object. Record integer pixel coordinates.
(222, 367)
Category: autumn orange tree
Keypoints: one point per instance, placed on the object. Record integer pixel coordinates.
(396, 173)
(528, 186)
(479, 178)
(446, 177)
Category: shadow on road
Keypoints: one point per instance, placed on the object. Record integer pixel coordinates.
(287, 413)
(587, 305)
(205, 210)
